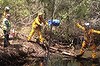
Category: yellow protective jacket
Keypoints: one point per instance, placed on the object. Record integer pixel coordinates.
(88, 34)
(37, 23)
(4, 14)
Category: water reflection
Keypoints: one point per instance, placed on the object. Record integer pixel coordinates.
(82, 63)
(40, 62)
(88, 64)
(61, 62)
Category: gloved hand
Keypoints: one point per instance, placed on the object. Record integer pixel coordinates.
(41, 24)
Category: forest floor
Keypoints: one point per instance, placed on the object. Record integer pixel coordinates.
(21, 52)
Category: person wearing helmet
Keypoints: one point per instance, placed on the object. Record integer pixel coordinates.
(36, 27)
(6, 26)
(88, 39)
(6, 11)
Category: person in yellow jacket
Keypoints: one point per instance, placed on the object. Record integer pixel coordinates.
(88, 39)
(6, 11)
(36, 27)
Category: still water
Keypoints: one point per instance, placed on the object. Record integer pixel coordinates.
(59, 61)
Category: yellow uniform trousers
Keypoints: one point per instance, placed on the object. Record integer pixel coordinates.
(92, 47)
(38, 30)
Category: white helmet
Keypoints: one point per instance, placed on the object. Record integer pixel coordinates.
(87, 24)
(7, 8)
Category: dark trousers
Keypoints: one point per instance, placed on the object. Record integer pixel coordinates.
(6, 38)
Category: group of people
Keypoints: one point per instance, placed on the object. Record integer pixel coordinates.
(39, 22)
(36, 26)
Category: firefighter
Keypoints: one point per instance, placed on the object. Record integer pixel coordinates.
(36, 27)
(6, 26)
(6, 11)
(88, 39)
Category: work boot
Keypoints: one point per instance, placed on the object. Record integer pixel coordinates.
(81, 53)
(7, 44)
(28, 39)
(93, 55)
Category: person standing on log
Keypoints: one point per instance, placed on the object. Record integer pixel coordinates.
(88, 39)
(6, 26)
(36, 27)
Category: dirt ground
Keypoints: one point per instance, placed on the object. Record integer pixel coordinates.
(23, 51)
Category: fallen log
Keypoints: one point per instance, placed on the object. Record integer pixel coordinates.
(68, 53)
